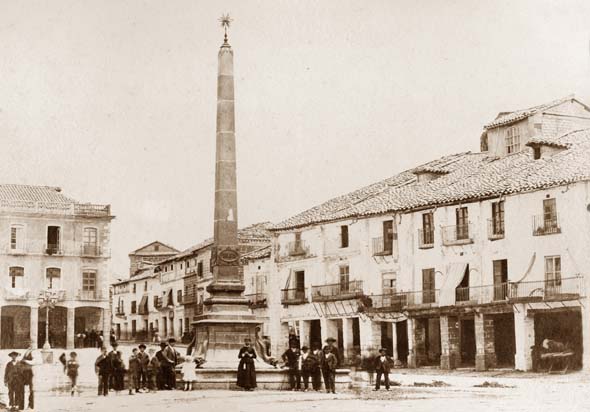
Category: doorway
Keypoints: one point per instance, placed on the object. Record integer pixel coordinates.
(504, 340)
(468, 342)
(315, 333)
(402, 341)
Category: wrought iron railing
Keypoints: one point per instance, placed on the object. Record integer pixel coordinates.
(425, 238)
(545, 225)
(495, 229)
(293, 296)
(396, 302)
(53, 249)
(457, 235)
(257, 300)
(90, 250)
(554, 289)
(298, 248)
(337, 291)
(89, 295)
(382, 246)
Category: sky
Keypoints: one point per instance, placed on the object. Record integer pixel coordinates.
(114, 101)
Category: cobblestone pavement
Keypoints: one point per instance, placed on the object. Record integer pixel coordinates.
(515, 395)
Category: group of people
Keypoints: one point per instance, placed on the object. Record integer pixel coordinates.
(147, 371)
(18, 374)
(90, 339)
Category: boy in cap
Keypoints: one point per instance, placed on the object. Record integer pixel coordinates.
(143, 359)
(382, 368)
(14, 381)
(72, 366)
(309, 366)
(329, 371)
(133, 375)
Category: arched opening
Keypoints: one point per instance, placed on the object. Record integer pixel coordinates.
(57, 326)
(88, 322)
(15, 327)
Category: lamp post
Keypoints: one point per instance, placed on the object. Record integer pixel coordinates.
(47, 298)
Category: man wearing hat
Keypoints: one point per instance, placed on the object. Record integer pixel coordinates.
(330, 347)
(103, 369)
(170, 356)
(13, 379)
(144, 360)
(112, 358)
(382, 368)
(309, 367)
(291, 359)
(153, 371)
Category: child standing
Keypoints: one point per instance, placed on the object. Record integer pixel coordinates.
(72, 366)
(152, 370)
(188, 373)
(133, 375)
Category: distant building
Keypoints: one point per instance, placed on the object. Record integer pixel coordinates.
(50, 242)
(149, 255)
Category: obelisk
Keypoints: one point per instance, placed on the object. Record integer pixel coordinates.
(227, 320)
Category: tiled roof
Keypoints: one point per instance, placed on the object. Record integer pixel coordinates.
(471, 176)
(143, 274)
(546, 141)
(29, 193)
(261, 253)
(511, 117)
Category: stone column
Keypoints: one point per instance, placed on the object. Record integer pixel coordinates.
(34, 328)
(347, 341)
(70, 328)
(524, 332)
(485, 350)
(420, 326)
(394, 354)
(586, 336)
(106, 321)
(304, 333)
(370, 334)
(450, 343)
(412, 363)
(329, 329)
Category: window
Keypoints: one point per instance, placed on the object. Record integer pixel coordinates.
(550, 213)
(462, 222)
(53, 239)
(90, 240)
(181, 266)
(155, 301)
(89, 281)
(428, 290)
(145, 286)
(344, 278)
(428, 228)
(344, 236)
(52, 275)
(552, 272)
(16, 274)
(300, 281)
(134, 307)
(134, 288)
(462, 290)
(156, 248)
(389, 283)
(536, 152)
(498, 218)
(17, 237)
(512, 140)
(500, 279)
(388, 236)
(200, 268)
(179, 296)
(133, 326)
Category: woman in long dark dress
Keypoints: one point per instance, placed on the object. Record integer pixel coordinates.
(246, 369)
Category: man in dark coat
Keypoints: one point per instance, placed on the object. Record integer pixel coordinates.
(316, 376)
(153, 370)
(309, 366)
(26, 365)
(329, 370)
(382, 365)
(102, 367)
(112, 355)
(13, 379)
(143, 360)
(291, 359)
(246, 371)
(170, 361)
(331, 344)
(161, 382)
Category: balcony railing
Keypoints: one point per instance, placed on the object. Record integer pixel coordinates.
(119, 312)
(560, 289)
(337, 291)
(425, 238)
(199, 308)
(16, 294)
(293, 296)
(545, 225)
(55, 208)
(90, 250)
(457, 235)
(89, 295)
(495, 229)
(257, 300)
(396, 302)
(53, 249)
(382, 247)
(298, 248)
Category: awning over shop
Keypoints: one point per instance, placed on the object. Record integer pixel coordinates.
(143, 305)
(452, 279)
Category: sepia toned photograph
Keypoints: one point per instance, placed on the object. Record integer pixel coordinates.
(260, 205)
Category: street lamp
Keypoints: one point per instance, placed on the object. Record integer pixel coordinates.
(47, 298)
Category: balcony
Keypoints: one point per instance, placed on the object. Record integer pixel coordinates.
(545, 225)
(16, 294)
(457, 235)
(91, 295)
(119, 312)
(90, 251)
(190, 298)
(257, 300)
(53, 250)
(199, 308)
(159, 303)
(397, 302)
(17, 250)
(293, 296)
(495, 229)
(337, 291)
(425, 239)
(59, 294)
(571, 288)
(382, 247)
(298, 248)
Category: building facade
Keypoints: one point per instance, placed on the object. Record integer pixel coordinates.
(469, 260)
(52, 246)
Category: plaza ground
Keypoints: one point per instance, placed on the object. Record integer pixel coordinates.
(419, 390)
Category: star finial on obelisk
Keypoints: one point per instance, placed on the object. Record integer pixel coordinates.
(225, 21)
